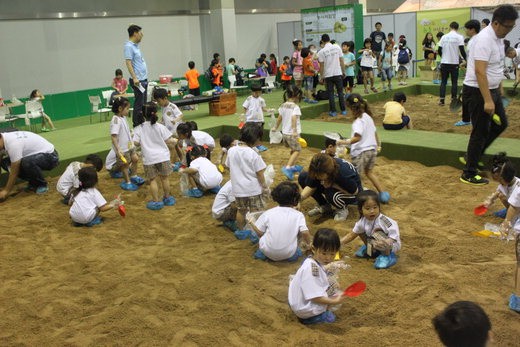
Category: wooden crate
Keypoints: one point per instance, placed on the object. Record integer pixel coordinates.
(426, 73)
(227, 104)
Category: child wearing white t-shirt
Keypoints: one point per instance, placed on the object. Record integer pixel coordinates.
(69, 179)
(254, 108)
(368, 57)
(202, 173)
(224, 208)
(364, 142)
(380, 234)
(310, 292)
(171, 115)
(189, 137)
(289, 117)
(126, 157)
(154, 139)
(280, 227)
(87, 202)
(246, 169)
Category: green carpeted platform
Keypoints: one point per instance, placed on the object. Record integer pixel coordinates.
(76, 137)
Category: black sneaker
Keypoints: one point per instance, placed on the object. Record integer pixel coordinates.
(441, 102)
(474, 180)
(462, 159)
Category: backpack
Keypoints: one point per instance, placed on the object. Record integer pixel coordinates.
(321, 95)
(403, 57)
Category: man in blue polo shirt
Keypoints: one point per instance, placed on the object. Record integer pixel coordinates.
(138, 71)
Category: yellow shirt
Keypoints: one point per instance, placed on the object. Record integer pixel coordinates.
(393, 113)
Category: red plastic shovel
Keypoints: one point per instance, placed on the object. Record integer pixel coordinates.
(122, 210)
(241, 125)
(355, 289)
(480, 210)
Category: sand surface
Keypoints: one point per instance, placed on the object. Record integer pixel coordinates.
(176, 277)
(427, 115)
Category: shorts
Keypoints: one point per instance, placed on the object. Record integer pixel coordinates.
(159, 169)
(229, 213)
(387, 74)
(308, 82)
(292, 142)
(298, 76)
(365, 161)
(367, 69)
(250, 203)
(402, 68)
(406, 121)
(348, 81)
(195, 91)
(119, 163)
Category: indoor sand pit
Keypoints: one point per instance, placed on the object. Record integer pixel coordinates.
(175, 277)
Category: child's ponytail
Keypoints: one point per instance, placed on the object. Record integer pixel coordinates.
(150, 112)
(119, 102)
(292, 92)
(88, 178)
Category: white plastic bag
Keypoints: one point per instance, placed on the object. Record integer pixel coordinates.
(275, 137)
(269, 175)
(184, 183)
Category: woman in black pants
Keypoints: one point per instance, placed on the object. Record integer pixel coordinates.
(332, 182)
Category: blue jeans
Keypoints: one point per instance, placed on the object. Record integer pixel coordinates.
(31, 167)
(453, 71)
(139, 101)
(331, 82)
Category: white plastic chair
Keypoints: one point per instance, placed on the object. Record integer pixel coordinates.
(269, 81)
(97, 107)
(232, 81)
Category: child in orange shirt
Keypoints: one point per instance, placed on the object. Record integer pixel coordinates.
(286, 78)
(308, 75)
(192, 75)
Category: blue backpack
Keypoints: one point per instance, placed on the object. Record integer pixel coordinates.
(403, 57)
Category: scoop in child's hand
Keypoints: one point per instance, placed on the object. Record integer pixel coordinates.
(355, 289)
(122, 210)
(302, 142)
(220, 168)
(480, 210)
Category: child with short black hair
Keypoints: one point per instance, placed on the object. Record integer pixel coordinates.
(154, 139)
(308, 75)
(367, 64)
(171, 115)
(126, 156)
(224, 208)
(330, 147)
(403, 59)
(87, 202)
(192, 75)
(225, 142)
(254, 107)
(289, 116)
(279, 228)
(69, 179)
(349, 59)
(395, 114)
(364, 142)
(380, 234)
(203, 174)
(463, 324)
(286, 72)
(189, 136)
(246, 169)
(386, 66)
(310, 292)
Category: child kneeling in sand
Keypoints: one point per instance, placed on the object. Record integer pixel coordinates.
(224, 208)
(202, 173)
(379, 233)
(395, 114)
(279, 227)
(310, 292)
(69, 179)
(87, 201)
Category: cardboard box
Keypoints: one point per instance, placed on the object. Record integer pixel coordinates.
(227, 104)
(426, 73)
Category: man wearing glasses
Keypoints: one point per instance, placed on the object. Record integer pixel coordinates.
(482, 90)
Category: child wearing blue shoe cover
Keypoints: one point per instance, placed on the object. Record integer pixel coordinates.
(289, 116)
(155, 140)
(380, 234)
(224, 208)
(86, 201)
(254, 107)
(246, 170)
(69, 180)
(279, 228)
(463, 324)
(310, 292)
(503, 172)
(203, 174)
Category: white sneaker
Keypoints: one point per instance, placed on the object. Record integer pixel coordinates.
(315, 211)
(341, 214)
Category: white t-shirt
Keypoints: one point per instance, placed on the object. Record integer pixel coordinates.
(152, 140)
(330, 55)
(69, 179)
(450, 44)
(287, 110)
(209, 176)
(507, 190)
(85, 205)
(367, 60)
(281, 226)
(110, 160)
(365, 127)
(514, 200)
(254, 109)
(171, 117)
(516, 60)
(244, 163)
(201, 138)
(119, 127)
(223, 199)
(23, 144)
(381, 222)
(309, 282)
(487, 47)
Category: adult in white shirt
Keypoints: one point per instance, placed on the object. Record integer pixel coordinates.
(482, 89)
(450, 46)
(332, 70)
(28, 154)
